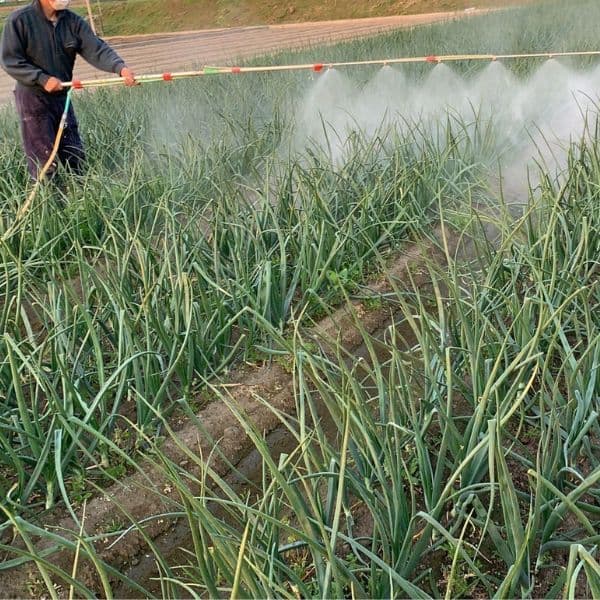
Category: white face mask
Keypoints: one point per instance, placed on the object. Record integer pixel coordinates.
(60, 4)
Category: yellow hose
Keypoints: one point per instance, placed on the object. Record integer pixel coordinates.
(25, 207)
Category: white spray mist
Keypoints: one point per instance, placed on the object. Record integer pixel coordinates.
(535, 118)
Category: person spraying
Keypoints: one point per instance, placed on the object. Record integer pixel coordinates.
(39, 45)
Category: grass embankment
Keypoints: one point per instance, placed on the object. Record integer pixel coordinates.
(150, 16)
(467, 459)
(128, 17)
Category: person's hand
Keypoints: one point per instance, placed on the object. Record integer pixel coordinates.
(53, 85)
(129, 76)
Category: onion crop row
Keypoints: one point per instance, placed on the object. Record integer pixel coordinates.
(463, 458)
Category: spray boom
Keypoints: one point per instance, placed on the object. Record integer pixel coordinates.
(317, 67)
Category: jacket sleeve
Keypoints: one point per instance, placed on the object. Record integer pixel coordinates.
(14, 59)
(96, 51)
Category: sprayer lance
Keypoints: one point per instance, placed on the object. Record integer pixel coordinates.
(317, 67)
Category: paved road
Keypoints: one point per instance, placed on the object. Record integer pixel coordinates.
(176, 51)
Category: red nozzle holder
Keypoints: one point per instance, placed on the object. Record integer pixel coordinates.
(236, 70)
(77, 85)
(318, 67)
(432, 59)
(167, 77)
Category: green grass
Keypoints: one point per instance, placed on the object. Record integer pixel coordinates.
(150, 16)
(464, 460)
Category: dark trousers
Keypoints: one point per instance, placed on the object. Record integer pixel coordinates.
(40, 115)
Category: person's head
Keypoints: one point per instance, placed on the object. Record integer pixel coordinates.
(55, 5)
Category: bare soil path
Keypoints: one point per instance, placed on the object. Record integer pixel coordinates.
(174, 51)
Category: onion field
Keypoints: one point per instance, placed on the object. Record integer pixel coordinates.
(314, 334)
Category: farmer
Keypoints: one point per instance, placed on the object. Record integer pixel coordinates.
(39, 45)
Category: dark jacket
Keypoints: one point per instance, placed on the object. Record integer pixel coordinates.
(33, 49)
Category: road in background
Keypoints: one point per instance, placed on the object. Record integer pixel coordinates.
(176, 51)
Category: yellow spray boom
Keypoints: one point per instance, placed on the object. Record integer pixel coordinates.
(317, 67)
